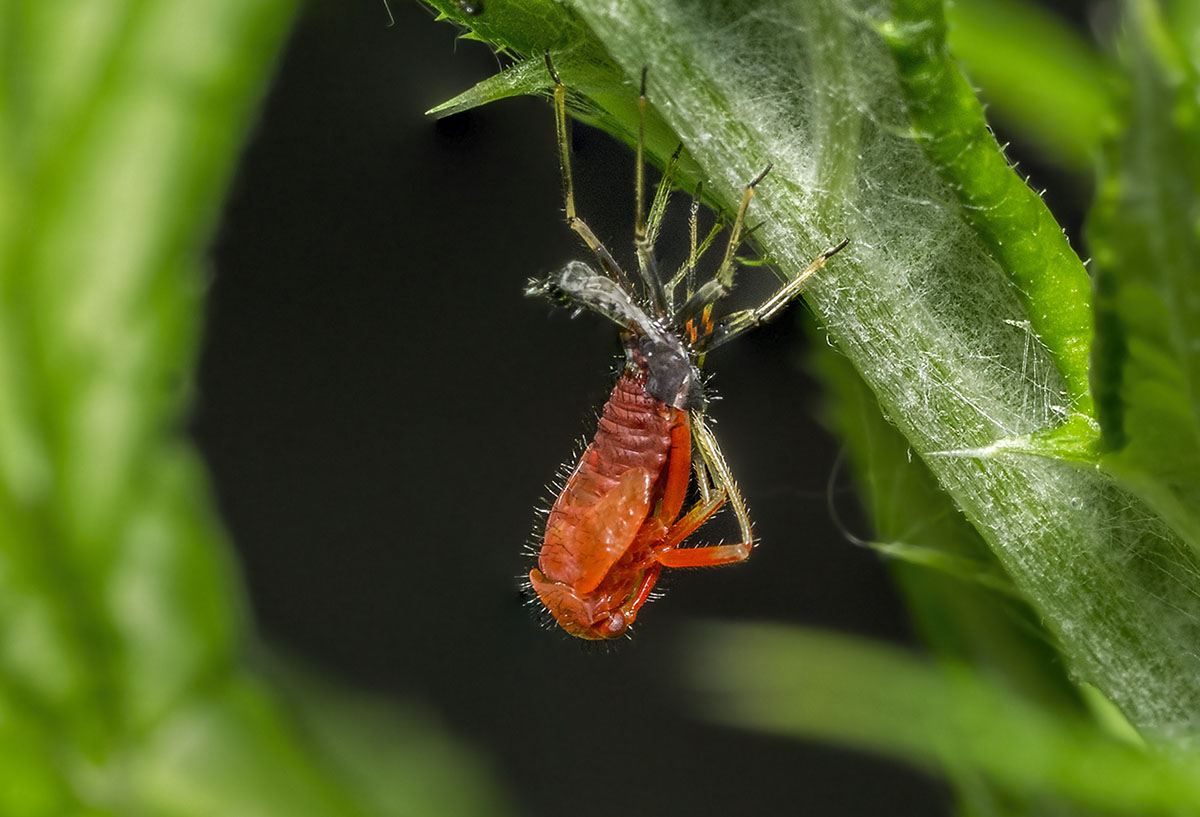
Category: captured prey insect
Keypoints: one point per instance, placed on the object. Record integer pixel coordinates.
(617, 522)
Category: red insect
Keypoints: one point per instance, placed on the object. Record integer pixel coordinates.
(620, 520)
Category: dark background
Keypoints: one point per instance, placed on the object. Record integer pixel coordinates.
(381, 408)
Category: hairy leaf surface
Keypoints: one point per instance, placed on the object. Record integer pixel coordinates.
(957, 301)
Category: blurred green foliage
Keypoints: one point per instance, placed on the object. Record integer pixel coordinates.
(125, 680)
(1145, 229)
(1042, 78)
(1036, 491)
(796, 682)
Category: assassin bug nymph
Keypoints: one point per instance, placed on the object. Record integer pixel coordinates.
(617, 522)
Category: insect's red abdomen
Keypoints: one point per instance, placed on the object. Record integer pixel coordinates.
(626, 458)
(634, 432)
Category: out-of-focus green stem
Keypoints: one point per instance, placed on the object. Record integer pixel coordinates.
(1040, 78)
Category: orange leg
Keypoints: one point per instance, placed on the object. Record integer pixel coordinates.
(679, 470)
(669, 554)
(643, 592)
(663, 529)
(705, 557)
(690, 523)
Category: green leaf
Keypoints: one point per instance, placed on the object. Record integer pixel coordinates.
(958, 300)
(962, 602)
(815, 685)
(396, 761)
(930, 316)
(599, 93)
(529, 76)
(1145, 232)
(1040, 77)
(1015, 226)
(520, 27)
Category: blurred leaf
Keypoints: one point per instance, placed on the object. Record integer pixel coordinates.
(1145, 232)
(244, 749)
(816, 685)
(982, 573)
(396, 762)
(29, 757)
(122, 628)
(1041, 79)
(1182, 18)
(118, 593)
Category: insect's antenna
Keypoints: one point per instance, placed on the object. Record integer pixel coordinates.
(831, 501)
(645, 249)
(391, 19)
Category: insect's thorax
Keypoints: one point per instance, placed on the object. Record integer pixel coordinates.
(670, 375)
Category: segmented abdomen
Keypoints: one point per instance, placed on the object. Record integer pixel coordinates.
(634, 433)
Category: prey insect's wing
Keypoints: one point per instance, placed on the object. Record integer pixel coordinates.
(580, 286)
(582, 550)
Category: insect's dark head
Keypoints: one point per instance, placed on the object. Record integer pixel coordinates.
(549, 289)
(593, 618)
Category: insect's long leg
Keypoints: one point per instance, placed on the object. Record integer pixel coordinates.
(702, 482)
(662, 195)
(678, 470)
(642, 240)
(705, 556)
(693, 255)
(721, 283)
(639, 222)
(706, 445)
(690, 522)
(577, 224)
(730, 326)
(687, 271)
(642, 595)
(669, 554)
